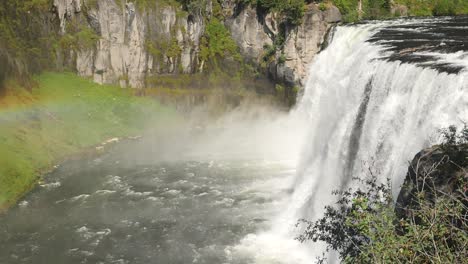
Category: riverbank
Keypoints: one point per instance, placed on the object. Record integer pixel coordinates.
(62, 115)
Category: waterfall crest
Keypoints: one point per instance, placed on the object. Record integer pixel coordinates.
(366, 109)
(371, 100)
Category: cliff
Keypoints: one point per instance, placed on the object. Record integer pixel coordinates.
(255, 33)
(129, 42)
(133, 41)
(435, 173)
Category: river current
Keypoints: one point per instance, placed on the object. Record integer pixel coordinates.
(232, 191)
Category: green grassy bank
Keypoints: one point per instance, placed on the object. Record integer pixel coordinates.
(61, 116)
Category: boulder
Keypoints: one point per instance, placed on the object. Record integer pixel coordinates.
(434, 172)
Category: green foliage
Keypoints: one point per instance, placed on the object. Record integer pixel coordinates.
(63, 115)
(370, 9)
(363, 226)
(282, 58)
(323, 6)
(374, 9)
(79, 39)
(217, 44)
(444, 7)
(268, 54)
(435, 7)
(24, 47)
(291, 11)
(279, 89)
(144, 4)
(453, 136)
(377, 9)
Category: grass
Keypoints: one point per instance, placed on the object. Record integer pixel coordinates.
(435, 7)
(61, 116)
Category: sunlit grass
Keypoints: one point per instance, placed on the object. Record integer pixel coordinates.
(59, 117)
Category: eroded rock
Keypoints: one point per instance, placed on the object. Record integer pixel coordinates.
(434, 172)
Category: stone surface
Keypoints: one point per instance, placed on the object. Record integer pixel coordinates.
(252, 33)
(332, 14)
(433, 171)
(66, 9)
(302, 45)
(122, 54)
(249, 33)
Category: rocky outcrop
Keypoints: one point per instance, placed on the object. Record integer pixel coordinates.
(133, 43)
(434, 172)
(253, 32)
(66, 9)
(304, 42)
(137, 43)
(120, 55)
(250, 33)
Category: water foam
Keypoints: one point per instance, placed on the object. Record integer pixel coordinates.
(360, 109)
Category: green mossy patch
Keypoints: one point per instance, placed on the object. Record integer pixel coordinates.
(61, 116)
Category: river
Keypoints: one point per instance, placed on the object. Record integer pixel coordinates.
(232, 191)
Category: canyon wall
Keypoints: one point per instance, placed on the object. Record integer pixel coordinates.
(136, 41)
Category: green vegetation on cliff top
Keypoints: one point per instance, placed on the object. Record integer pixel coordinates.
(375, 9)
(354, 10)
(61, 116)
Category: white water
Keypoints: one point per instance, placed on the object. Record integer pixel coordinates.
(185, 197)
(359, 111)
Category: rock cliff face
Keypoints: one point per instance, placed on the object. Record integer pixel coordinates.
(135, 43)
(304, 43)
(253, 33)
(132, 43)
(434, 172)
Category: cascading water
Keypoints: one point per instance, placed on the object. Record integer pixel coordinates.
(375, 96)
(367, 108)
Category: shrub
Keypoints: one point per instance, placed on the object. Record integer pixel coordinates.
(444, 8)
(453, 136)
(323, 6)
(363, 228)
(217, 44)
(291, 11)
(282, 58)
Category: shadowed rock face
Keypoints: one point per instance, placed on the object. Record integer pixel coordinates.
(427, 42)
(434, 171)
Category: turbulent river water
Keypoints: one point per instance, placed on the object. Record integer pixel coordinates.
(232, 192)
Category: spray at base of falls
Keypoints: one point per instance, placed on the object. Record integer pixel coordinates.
(364, 108)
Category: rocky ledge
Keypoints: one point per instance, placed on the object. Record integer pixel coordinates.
(436, 172)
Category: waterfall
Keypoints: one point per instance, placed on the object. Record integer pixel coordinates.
(377, 95)
(364, 108)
